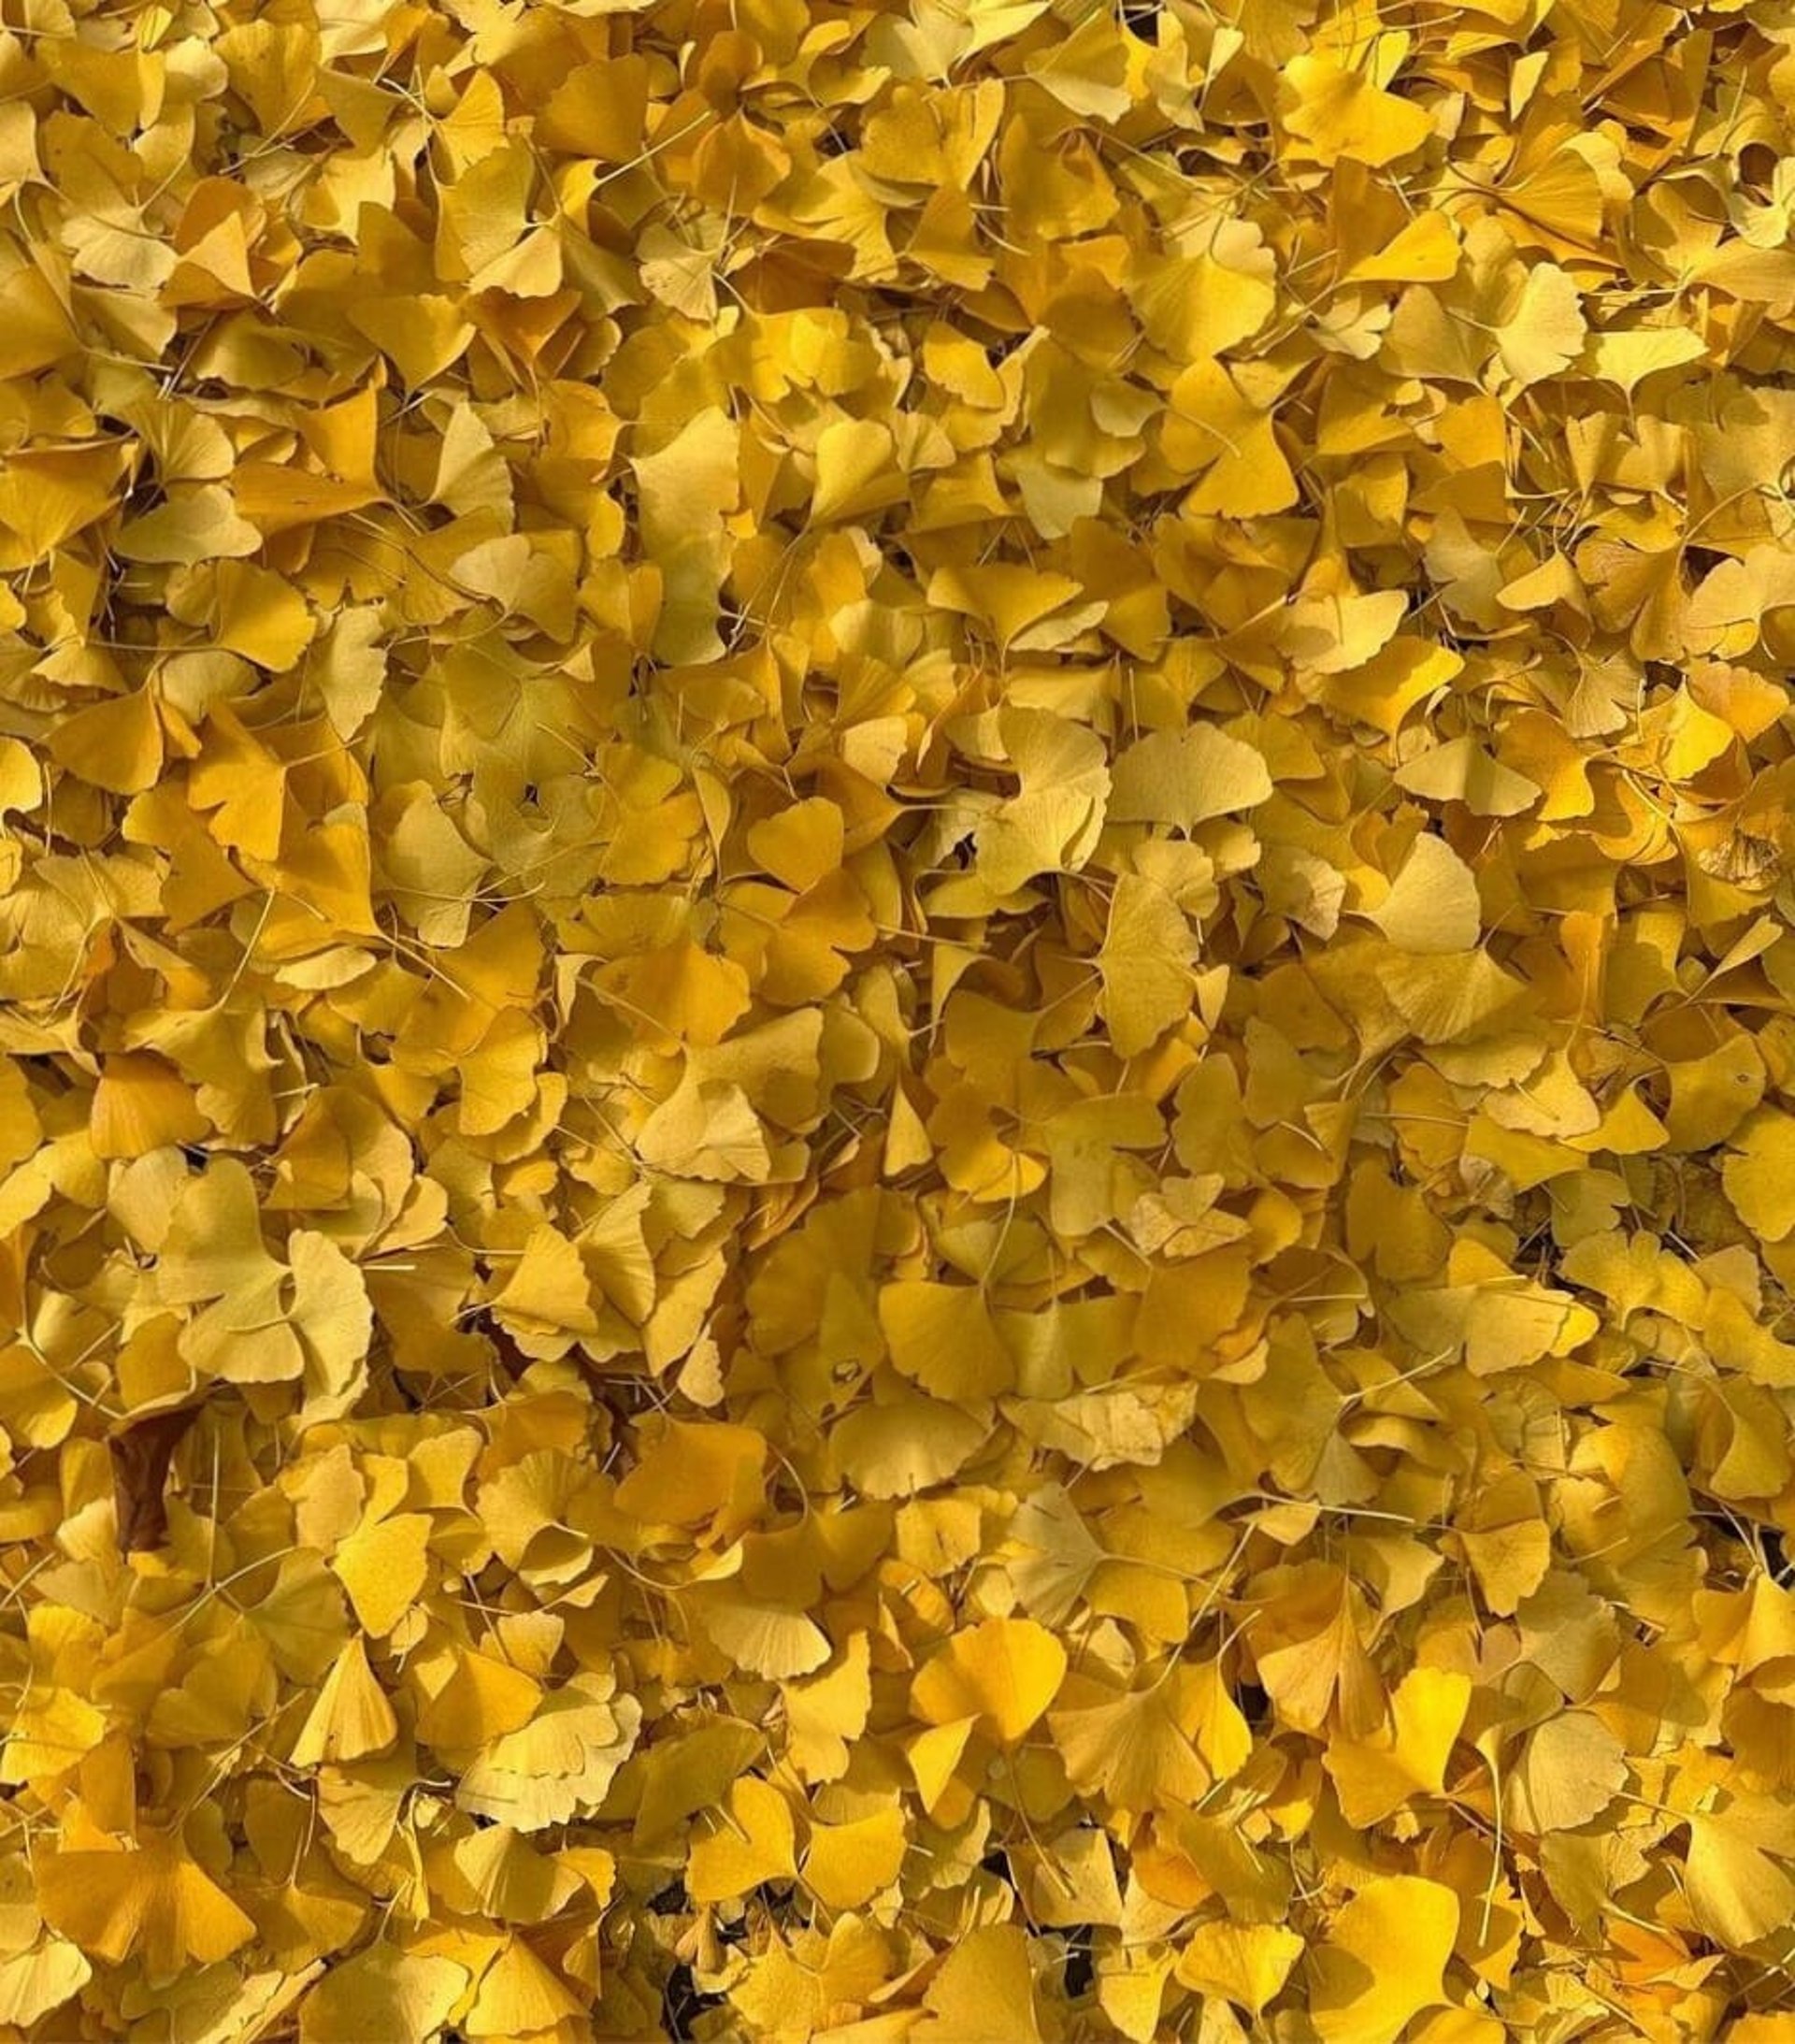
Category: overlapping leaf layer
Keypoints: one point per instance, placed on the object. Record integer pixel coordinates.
(897, 1021)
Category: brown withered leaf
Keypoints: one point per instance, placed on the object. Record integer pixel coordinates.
(141, 1453)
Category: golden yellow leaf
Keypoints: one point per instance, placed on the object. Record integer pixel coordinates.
(154, 1899)
(753, 1839)
(1001, 1672)
(1384, 1958)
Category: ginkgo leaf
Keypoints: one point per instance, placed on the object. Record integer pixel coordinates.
(141, 1104)
(754, 1840)
(382, 1567)
(1740, 1891)
(1247, 1964)
(1573, 1767)
(1313, 1658)
(1341, 113)
(848, 1864)
(560, 1762)
(854, 470)
(1758, 1174)
(1384, 1958)
(942, 1337)
(685, 487)
(155, 1900)
(984, 1990)
(828, 1711)
(691, 1473)
(1374, 1777)
(116, 745)
(1331, 634)
(1055, 816)
(1546, 328)
(769, 1639)
(1433, 906)
(548, 1287)
(1002, 1672)
(1446, 998)
(1186, 778)
(34, 1983)
(351, 1716)
(1164, 1745)
(1460, 771)
(1147, 951)
(1510, 1556)
(383, 1991)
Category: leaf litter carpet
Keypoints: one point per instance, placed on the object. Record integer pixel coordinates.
(897, 1021)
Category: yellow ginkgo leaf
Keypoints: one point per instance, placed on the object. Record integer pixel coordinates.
(1145, 963)
(984, 1990)
(1340, 113)
(1247, 1964)
(935, 1756)
(1374, 1778)
(1002, 1672)
(827, 1712)
(943, 1338)
(351, 1716)
(382, 1991)
(754, 1840)
(854, 471)
(691, 1473)
(155, 1900)
(549, 1290)
(520, 1994)
(1160, 1747)
(1758, 1173)
(382, 1565)
(1384, 1960)
(141, 1104)
(1185, 778)
(34, 1983)
(772, 1640)
(848, 1864)
(1573, 1767)
(1740, 1885)
(1433, 906)
(116, 745)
